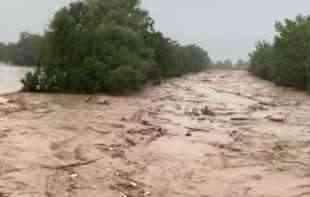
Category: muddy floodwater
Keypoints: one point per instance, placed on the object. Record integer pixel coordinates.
(10, 77)
(214, 134)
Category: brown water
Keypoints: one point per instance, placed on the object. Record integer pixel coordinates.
(10, 77)
(214, 134)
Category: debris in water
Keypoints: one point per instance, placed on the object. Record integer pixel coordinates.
(188, 134)
(88, 99)
(240, 118)
(146, 123)
(207, 111)
(201, 118)
(276, 118)
(103, 102)
(195, 112)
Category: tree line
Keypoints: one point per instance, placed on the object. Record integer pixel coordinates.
(230, 65)
(286, 60)
(108, 46)
(25, 52)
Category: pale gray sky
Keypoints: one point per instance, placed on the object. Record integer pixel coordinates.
(226, 28)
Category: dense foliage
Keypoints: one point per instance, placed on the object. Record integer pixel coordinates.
(287, 60)
(261, 60)
(108, 45)
(26, 52)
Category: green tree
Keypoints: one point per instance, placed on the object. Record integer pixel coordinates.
(25, 52)
(2, 52)
(109, 45)
(287, 60)
(261, 60)
(28, 49)
(292, 49)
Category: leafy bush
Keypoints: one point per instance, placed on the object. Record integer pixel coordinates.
(292, 49)
(287, 60)
(109, 45)
(125, 78)
(261, 60)
(30, 82)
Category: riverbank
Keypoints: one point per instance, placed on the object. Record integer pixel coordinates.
(215, 134)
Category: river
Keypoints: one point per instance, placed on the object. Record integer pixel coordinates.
(212, 134)
(10, 78)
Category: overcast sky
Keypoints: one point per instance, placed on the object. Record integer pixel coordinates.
(226, 28)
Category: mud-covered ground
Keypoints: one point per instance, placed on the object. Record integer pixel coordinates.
(216, 134)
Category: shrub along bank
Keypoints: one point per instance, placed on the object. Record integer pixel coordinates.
(286, 61)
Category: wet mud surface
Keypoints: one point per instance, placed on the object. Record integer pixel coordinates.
(215, 134)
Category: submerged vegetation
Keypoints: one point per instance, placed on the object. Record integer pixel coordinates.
(111, 46)
(286, 61)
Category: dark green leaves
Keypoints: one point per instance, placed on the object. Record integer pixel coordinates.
(109, 45)
(287, 61)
